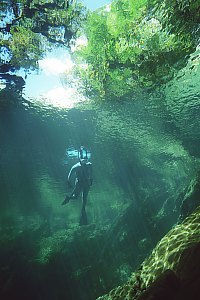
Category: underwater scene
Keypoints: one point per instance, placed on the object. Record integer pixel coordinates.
(99, 150)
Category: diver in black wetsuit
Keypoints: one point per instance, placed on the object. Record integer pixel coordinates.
(83, 182)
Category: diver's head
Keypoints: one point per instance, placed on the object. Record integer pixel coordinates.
(83, 161)
(83, 157)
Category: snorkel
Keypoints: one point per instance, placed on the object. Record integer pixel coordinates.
(83, 155)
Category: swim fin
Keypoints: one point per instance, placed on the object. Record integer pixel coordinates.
(67, 198)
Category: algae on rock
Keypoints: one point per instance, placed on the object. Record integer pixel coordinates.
(178, 252)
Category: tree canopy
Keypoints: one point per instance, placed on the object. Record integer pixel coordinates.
(28, 26)
(136, 43)
(130, 43)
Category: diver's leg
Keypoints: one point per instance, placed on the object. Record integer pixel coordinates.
(84, 197)
(83, 218)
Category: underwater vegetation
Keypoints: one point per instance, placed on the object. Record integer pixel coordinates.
(40, 261)
(38, 264)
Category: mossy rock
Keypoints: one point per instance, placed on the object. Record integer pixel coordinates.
(175, 259)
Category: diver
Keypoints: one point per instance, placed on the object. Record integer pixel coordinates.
(83, 181)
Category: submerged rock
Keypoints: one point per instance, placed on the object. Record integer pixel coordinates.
(172, 271)
(191, 199)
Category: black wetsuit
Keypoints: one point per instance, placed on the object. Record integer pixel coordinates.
(83, 181)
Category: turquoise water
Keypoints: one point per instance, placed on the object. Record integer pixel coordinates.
(144, 152)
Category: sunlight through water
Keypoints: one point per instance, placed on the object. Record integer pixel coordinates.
(45, 87)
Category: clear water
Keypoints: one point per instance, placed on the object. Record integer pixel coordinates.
(144, 153)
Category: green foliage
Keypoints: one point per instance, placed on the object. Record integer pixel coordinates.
(27, 25)
(119, 82)
(96, 53)
(25, 46)
(138, 43)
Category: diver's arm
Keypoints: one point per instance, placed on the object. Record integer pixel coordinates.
(71, 172)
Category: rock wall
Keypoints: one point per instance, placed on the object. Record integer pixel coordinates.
(172, 271)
